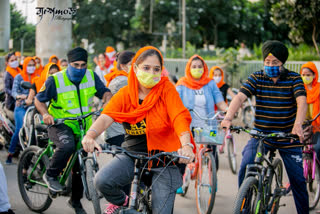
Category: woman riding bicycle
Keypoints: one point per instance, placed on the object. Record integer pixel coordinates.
(309, 74)
(20, 94)
(217, 74)
(199, 92)
(155, 120)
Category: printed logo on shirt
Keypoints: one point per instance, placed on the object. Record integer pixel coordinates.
(137, 129)
(298, 158)
(198, 92)
(43, 88)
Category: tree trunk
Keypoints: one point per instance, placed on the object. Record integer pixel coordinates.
(314, 38)
(215, 35)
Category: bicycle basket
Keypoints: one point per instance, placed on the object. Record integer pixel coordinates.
(209, 134)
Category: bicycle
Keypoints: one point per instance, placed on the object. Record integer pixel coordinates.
(231, 148)
(204, 169)
(140, 200)
(262, 187)
(311, 167)
(33, 164)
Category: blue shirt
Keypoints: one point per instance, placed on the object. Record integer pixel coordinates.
(211, 92)
(17, 89)
(50, 91)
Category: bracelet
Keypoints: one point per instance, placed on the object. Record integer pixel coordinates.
(188, 144)
(93, 130)
(45, 114)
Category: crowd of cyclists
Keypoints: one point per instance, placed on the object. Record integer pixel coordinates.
(146, 111)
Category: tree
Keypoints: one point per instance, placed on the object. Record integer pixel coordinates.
(21, 30)
(302, 16)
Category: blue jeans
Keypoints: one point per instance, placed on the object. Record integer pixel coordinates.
(113, 178)
(4, 199)
(19, 113)
(292, 159)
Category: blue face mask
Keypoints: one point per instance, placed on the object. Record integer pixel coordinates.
(272, 71)
(75, 75)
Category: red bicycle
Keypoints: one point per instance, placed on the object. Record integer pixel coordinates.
(203, 170)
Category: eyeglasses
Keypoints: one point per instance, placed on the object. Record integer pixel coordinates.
(77, 65)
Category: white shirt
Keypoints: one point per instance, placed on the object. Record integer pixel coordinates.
(199, 107)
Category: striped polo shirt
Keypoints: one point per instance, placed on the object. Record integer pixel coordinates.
(276, 105)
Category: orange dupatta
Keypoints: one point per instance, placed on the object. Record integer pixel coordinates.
(39, 81)
(188, 80)
(221, 83)
(24, 72)
(313, 95)
(166, 117)
(54, 56)
(40, 69)
(13, 71)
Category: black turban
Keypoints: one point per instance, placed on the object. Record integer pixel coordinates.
(276, 48)
(77, 54)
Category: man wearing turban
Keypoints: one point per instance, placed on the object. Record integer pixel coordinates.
(280, 107)
(70, 93)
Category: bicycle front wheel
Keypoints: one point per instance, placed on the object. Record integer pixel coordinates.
(33, 190)
(247, 197)
(206, 184)
(313, 185)
(274, 184)
(232, 156)
(92, 190)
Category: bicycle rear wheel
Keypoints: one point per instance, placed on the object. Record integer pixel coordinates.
(313, 186)
(36, 196)
(247, 197)
(232, 156)
(206, 184)
(92, 190)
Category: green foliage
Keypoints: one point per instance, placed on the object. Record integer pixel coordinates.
(302, 16)
(19, 30)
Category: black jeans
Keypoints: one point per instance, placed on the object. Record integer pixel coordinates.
(63, 138)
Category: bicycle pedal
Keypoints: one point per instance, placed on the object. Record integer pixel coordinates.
(53, 194)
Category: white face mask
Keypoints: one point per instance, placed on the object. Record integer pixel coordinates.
(14, 64)
(110, 55)
(31, 69)
(217, 79)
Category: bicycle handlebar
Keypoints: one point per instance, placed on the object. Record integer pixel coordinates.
(112, 149)
(58, 121)
(218, 113)
(258, 134)
(308, 122)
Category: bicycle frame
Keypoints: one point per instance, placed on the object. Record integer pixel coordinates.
(77, 154)
(309, 150)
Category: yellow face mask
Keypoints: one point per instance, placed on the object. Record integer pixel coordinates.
(146, 79)
(307, 80)
(196, 72)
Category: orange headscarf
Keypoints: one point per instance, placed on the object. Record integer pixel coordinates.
(24, 72)
(313, 95)
(188, 80)
(164, 123)
(54, 56)
(13, 71)
(40, 69)
(39, 81)
(114, 72)
(221, 83)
